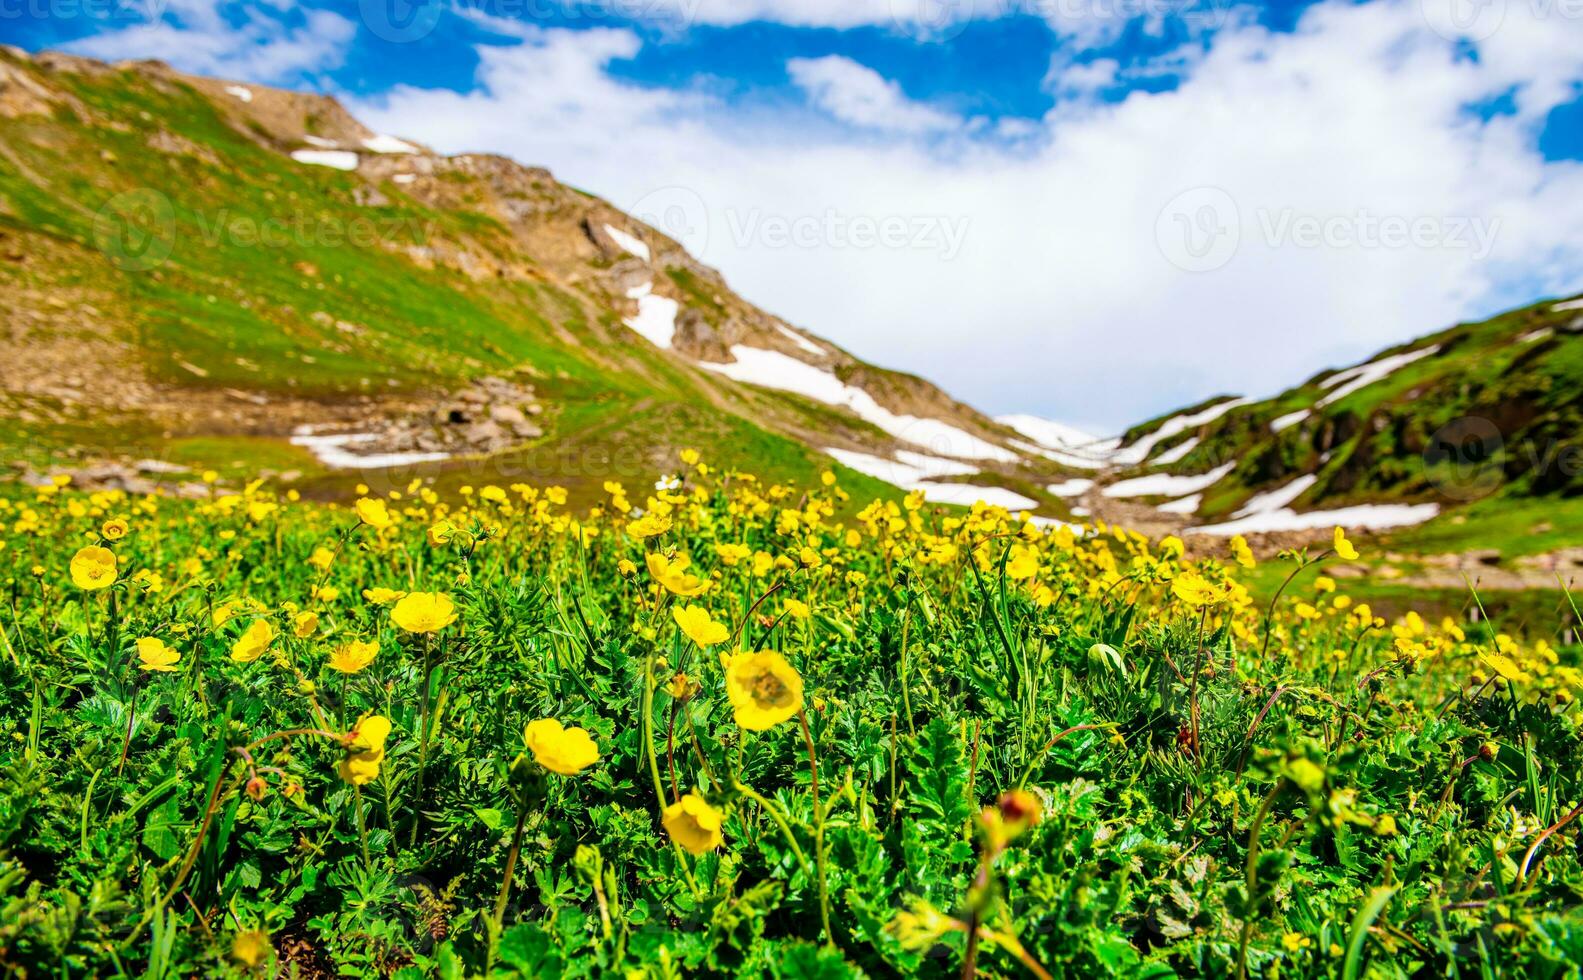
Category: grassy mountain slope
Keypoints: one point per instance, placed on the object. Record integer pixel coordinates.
(186, 272)
(1484, 420)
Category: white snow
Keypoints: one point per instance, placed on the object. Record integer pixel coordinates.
(339, 159)
(1571, 304)
(404, 178)
(966, 494)
(1354, 378)
(1048, 432)
(906, 470)
(1185, 505)
(1065, 459)
(1539, 334)
(1139, 451)
(772, 369)
(1061, 442)
(802, 341)
(240, 91)
(628, 242)
(388, 144)
(1371, 516)
(320, 142)
(914, 471)
(1289, 420)
(1274, 500)
(330, 450)
(1176, 453)
(1166, 485)
(1074, 487)
(656, 319)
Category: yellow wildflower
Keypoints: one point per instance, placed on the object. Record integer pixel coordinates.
(699, 626)
(1197, 591)
(693, 824)
(424, 612)
(252, 643)
(650, 525)
(672, 574)
(365, 745)
(764, 689)
(1342, 546)
(373, 512)
(349, 658)
(155, 655)
(93, 568)
(561, 750)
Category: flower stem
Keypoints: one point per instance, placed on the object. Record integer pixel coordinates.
(775, 815)
(423, 743)
(654, 763)
(362, 822)
(818, 833)
(511, 863)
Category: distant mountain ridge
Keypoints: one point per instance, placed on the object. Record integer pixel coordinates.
(197, 265)
(1486, 410)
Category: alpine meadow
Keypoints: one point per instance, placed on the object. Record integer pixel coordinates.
(414, 564)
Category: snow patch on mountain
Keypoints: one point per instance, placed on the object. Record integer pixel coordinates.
(916, 471)
(1289, 420)
(1185, 505)
(906, 471)
(1368, 516)
(338, 159)
(656, 319)
(388, 144)
(331, 451)
(966, 495)
(1274, 500)
(1139, 451)
(1176, 453)
(628, 242)
(1167, 485)
(1073, 460)
(240, 91)
(1363, 375)
(802, 341)
(1074, 487)
(772, 369)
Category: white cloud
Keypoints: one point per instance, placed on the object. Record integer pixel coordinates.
(194, 36)
(1060, 299)
(908, 15)
(859, 95)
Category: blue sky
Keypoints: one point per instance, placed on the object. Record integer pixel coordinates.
(1104, 208)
